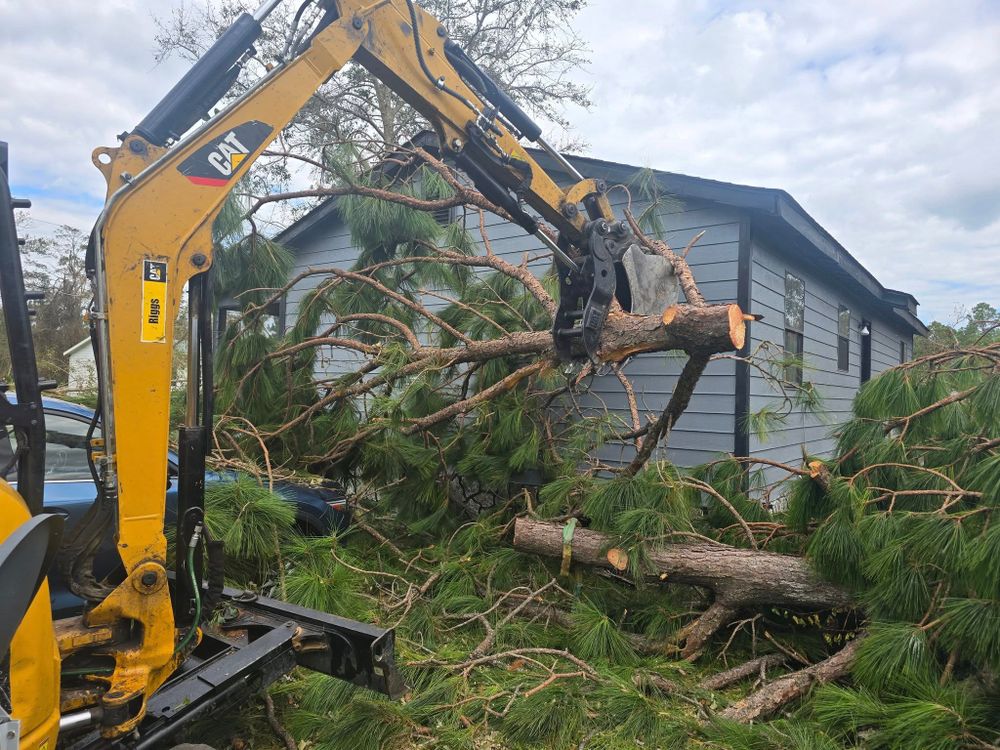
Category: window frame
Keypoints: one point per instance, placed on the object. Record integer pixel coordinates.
(448, 213)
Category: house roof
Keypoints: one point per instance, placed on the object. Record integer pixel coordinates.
(773, 210)
(77, 347)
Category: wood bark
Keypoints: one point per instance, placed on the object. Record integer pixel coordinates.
(705, 330)
(770, 698)
(751, 668)
(739, 578)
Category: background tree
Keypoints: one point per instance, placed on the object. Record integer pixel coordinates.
(54, 265)
(980, 325)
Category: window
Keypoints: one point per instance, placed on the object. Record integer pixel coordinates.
(795, 313)
(866, 351)
(65, 449)
(844, 339)
(442, 216)
(902, 352)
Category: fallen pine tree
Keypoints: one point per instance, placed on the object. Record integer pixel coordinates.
(891, 538)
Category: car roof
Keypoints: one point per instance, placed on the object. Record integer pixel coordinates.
(58, 404)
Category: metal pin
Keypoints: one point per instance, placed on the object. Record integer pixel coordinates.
(556, 250)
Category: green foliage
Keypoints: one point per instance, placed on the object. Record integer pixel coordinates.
(778, 735)
(252, 522)
(548, 719)
(924, 717)
(973, 626)
(606, 503)
(835, 549)
(893, 655)
(318, 578)
(638, 714)
(597, 636)
(335, 716)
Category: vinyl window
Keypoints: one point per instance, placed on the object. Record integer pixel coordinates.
(795, 312)
(844, 339)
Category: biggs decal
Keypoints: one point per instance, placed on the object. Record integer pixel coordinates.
(154, 301)
(216, 162)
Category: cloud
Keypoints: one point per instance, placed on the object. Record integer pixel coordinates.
(78, 73)
(879, 118)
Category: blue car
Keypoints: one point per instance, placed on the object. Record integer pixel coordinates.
(69, 489)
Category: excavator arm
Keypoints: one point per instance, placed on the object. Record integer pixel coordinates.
(165, 188)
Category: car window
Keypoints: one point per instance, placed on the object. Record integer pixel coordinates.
(7, 453)
(65, 448)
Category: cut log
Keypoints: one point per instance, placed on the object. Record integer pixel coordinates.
(709, 329)
(742, 577)
(739, 578)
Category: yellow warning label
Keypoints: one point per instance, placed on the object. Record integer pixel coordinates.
(154, 301)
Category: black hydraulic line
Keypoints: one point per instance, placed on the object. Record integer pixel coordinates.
(490, 90)
(190, 513)
(216, 575)
(27, 418)
(95, 420)
(288, 51)
(201, 87)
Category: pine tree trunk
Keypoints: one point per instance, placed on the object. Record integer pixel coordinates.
(739, 578)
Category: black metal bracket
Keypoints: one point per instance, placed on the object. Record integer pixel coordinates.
(257, 642)
(586, 293)
(27, 416)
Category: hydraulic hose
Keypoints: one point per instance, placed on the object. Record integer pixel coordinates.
(195, 588)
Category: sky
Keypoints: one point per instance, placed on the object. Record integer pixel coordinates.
(882, 119)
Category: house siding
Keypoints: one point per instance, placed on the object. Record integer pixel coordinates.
(801, 430)
(328, 245)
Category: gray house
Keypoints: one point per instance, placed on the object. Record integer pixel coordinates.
(760, 250)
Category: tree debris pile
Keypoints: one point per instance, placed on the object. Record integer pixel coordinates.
(609, 606)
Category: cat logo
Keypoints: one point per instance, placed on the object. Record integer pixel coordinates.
(229, 156)
(219, 160)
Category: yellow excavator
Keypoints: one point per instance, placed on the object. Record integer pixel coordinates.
(143, 658)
